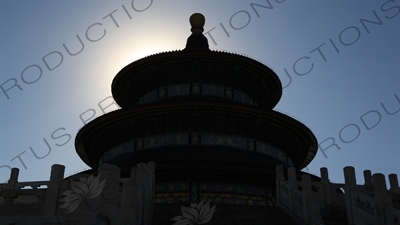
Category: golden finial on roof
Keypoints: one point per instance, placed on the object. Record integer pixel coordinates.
(197, 21)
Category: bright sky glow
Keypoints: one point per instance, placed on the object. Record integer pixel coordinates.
(338, 62)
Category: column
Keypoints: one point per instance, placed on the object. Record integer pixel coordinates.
(292, 184)
(350, 182)
(279, 178)
(326, 186)
(137, 203)
(13, 179)
(394, 184)
(382, 197)
(306, 194)
(110, 195)
(368, 180)
(127, 201)
(52, 192)
(12, 182)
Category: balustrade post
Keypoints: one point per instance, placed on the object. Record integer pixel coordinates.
(138, 198)
(326, 186)
(306, 194)
(368, 180)
(13, 179)
(350, 182)
(382, 197)
(127, 201)
(279, 178)
(143, 193)
(292, 184)
(394, 184)
(12, 182)
(109, 198)
(52, 192)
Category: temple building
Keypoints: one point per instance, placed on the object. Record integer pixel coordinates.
(197, 141)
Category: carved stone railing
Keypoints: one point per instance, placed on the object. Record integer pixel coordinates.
(41, 189)
(363, 207)
(297, 198)
(370, 203)
(115, 204)
(36, 189)
(122, 201)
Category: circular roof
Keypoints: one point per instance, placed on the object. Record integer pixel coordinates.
(177, 67)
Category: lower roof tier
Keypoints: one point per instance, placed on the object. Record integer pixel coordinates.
(265, 126)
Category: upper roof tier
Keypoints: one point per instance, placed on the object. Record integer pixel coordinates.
(196, 64)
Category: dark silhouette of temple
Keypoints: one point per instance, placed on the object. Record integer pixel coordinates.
(205, 118)
(196, 141)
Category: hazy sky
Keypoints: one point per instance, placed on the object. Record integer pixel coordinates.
(338, 62)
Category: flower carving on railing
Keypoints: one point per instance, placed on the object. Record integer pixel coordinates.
(368, 208)
(364, 205)
(314, 188)
(85, 188)
(195, 214)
